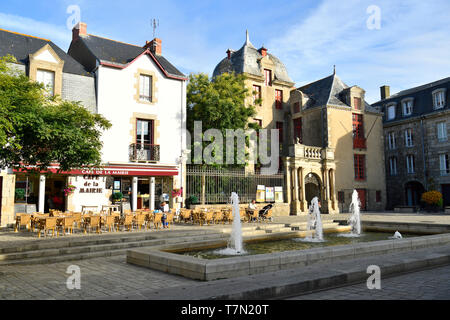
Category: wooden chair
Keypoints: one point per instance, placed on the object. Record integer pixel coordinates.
(139, 220)
(23, 219)
(35, 220)
(197, 216)
(208, 217)
(66, 223)
(77, 218)
(149, 218)
(218, 217)
(157, 220)
(49, 223)
(228, 216)
(109, 222)
(127, 222)
(92, 221)
(169, 219)
(185, 215)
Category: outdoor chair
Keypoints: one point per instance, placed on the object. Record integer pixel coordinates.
(109, 222)
(139, 220)
(208, 217)
(218, 217)
(157, 220)
(91, 221)
(127, 222)
(149, 218)
(23, 219)
(169, 219)
(77, 218)
(66, 224)
(228, 216)
(47, 224)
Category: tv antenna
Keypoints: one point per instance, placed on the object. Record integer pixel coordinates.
(155, 25)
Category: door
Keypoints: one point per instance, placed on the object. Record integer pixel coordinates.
(362, 198)
(445, 194)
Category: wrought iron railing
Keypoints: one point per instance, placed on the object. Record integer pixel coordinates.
(144, 152)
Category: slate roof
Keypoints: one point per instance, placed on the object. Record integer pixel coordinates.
(328, 91)
(423, 100)
(116, 52)
(21, 46)
(246, 60)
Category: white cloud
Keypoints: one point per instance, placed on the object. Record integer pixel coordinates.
(56, 33)
(410, 49)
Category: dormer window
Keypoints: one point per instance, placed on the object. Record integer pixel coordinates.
(391, 112)
(268, 77)
(357, 103)
(407, 105)
(439, 98)
(47, 78)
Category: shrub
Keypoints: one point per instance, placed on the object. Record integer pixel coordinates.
(117, 196)
(432, 198)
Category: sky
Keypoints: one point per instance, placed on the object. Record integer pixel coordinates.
(401, 43)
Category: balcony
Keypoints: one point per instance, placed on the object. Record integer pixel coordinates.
(302, 151)
(144, 152)
(359, 143)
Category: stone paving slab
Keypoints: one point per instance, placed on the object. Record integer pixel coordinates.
(279, 284)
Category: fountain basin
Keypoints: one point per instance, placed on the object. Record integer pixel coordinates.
(164, 259)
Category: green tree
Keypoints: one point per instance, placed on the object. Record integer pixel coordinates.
(219, 104)
(36, 130)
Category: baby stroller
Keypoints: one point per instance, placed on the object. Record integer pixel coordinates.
(266, 213)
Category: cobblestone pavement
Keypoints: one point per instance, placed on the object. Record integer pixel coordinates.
(432, 284)
(100, 277)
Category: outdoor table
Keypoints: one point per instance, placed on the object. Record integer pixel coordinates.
(111, 208)
(83, 208)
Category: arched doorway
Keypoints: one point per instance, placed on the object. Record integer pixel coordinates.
(312, 187)
(413, 192)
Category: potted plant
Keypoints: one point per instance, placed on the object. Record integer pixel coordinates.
(69, 190)
(191, 200)
(433, 200)
(20, 194)
(117, 197)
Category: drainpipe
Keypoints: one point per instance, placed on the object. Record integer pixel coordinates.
(423, 153)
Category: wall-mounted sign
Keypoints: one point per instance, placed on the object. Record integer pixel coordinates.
(261, 193)
(279, 194)
(270, 194)
(91, 184)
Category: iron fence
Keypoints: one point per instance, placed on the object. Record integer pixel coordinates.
(214, 185)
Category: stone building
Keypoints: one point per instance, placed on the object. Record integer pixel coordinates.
(269, 82)
(41, 60)
(335, 146)
(330, 139)
(417, 147)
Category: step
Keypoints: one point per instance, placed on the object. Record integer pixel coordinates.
(83, 252)
(279, 230)
(253, 233)
(271, 226)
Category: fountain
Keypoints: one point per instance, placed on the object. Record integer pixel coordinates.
(235, 244)
(355, 220)
(314, 222)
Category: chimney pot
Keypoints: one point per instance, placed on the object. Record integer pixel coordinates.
(385, 92)
(263, 51)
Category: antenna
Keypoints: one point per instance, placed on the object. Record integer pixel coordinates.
(155, 25)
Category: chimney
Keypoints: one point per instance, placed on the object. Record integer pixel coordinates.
(385, 92)
(80, 29)
(154, 46)
(263, 51)
(229, 54)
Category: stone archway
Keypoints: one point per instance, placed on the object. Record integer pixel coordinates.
(312, 187)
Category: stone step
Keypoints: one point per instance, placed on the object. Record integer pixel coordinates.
(84, 252)
(253, 233)
(271, 226)
(278, 230)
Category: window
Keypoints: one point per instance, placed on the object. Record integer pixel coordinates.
(268, 77)
(393, 166)
(144, 132)
(296, 107)
(391, 140)
(442, 131)
(410, 163)
(408, 138)
(391, 112)
(257, 95)
(439, 98)
(444, 165)
(357, 103)
(145, 88)
(48, 79)
(378, 196)
(280, 131)
(359, 165)
(341, 196)
(298, 130)
(407, 107)
(278, 99)
(358, 126)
